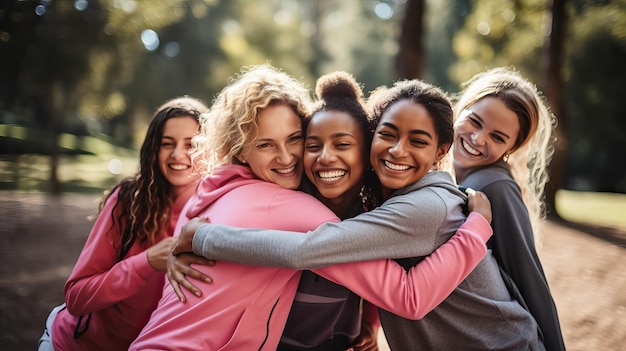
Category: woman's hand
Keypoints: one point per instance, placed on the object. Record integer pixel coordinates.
(185, 238)
(179, 266)
(477, 201)
(367, 340)
(157, 254)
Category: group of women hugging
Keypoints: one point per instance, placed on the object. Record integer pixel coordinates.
(268, 221)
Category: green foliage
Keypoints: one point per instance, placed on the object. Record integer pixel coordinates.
(87, 72)
(595, 98)
(501, 33)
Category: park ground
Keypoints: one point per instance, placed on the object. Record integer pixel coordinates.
(41, 237)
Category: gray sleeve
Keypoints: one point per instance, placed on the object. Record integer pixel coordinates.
(404, 226)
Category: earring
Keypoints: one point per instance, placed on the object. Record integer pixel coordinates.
(505, 158)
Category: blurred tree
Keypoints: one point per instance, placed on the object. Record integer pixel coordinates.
(443, 19)
(595, 93)
(50, 64)
(554, 68)
(410, 59)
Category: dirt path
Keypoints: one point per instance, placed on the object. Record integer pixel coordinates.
(41, 237)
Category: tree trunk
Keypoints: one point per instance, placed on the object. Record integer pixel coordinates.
(410, 59)
(554, 94)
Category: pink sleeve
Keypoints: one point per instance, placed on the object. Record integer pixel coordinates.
(415, 293)
(98, 280)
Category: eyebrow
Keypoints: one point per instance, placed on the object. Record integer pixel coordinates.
(172, 138)
(477, 116)
(412, 132)
(334, 135)
(289, 136)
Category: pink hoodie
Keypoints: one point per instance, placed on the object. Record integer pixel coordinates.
(245, 308)
(115, 299)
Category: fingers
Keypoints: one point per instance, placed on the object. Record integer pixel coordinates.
(177, 289)
(195, 274)
(177, 279)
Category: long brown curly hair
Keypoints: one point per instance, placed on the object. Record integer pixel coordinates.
(144, 200)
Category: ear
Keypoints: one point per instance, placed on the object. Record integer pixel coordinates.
(442, 151)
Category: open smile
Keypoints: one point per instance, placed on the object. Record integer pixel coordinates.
(331, 176)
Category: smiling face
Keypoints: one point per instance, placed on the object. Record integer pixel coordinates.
(483, 133)
(174, 157)
(334, 156)
(404, 148)
(276, 154)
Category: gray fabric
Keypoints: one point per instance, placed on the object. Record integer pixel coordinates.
(403, 227)
(45, 342)
(514, 248)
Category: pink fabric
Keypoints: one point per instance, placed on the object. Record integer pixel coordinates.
(245, 308)
(412, 295)
(119, 295)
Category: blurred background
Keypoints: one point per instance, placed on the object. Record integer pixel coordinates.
(80, 79)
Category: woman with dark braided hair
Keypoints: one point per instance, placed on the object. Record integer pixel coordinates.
(117, 280)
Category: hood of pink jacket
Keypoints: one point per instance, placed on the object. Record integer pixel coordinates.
(222, 180)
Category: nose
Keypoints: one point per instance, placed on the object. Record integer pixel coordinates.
(285, 155)
(326, 156)
(180, 151)
(398, 149)
(478, 137)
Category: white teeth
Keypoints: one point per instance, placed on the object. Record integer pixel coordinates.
(285, 170)
(396, 167)
(469, 149)
(179, 167)
(331, 176)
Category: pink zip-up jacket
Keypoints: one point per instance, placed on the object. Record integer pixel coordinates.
(246, 307)
(108, 302)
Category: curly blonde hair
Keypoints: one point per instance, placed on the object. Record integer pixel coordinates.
(231, 125)
(534, 146)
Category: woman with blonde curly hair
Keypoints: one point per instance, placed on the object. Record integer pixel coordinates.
(117, 280)
(252, 142)
(503, 145)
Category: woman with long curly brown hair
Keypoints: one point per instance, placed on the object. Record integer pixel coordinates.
(117, 280)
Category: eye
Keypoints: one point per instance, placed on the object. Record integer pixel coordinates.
(419, 142)
(167, 144)
(295, 138)
(474, 121)
(497, 138)
(343, 145)
(263, 146)
(385, 135)
(312, 147)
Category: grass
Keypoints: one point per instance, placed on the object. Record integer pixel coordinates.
(602, 209)
(79, 174)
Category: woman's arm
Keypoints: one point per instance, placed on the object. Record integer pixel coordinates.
(389, 231)
(98, 280)
(415, 293)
